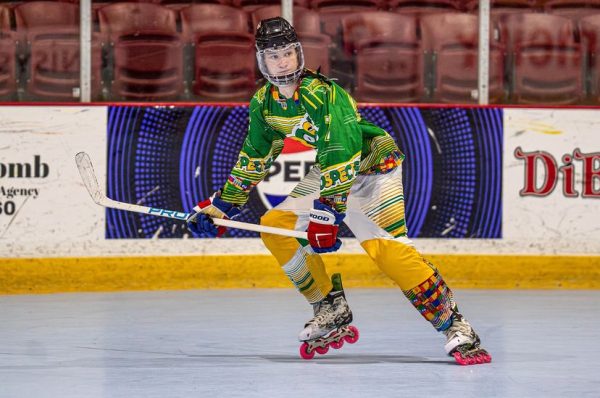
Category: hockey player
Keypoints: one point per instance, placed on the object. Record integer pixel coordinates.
(357, 179)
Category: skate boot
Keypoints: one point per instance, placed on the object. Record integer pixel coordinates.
(463, 343)
(330, 326)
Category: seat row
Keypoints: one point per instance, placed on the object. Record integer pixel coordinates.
(534, 58)
(140, 52)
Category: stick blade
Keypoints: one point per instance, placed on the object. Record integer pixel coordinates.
(86, 171)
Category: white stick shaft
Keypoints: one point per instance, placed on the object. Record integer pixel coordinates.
(86, 170)
(261, 228)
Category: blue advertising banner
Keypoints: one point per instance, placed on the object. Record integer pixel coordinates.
(173, 157)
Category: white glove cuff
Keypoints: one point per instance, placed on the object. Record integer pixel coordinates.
(321, 217)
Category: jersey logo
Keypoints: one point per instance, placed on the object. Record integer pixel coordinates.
(306, 130)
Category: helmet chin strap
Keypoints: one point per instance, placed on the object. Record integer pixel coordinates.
(285, 80)
(288, 84)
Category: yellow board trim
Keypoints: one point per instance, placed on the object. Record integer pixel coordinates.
(52, 275)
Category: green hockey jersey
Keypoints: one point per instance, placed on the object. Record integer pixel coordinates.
(320, 115)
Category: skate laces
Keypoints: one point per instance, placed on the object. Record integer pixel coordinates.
(325, 312)
(459, 326)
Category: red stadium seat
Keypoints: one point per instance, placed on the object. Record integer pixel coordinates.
(316, 51)
(146, 51)
(124, 18)
(590, 37)
(46, 13)
(251, 5)
(4, 18)
(178, 5)
(8, 62)
(55, 64)
(224, 67)
(51, 44)
(201, 18)
(332, 12)
(574, 9)
(546, 61)
(424, 6)
(388, 56)
(306, 22)
(451, 44)
(505, 6)
(224, 61)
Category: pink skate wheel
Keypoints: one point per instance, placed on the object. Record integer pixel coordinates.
(304, 353)
(354, 338)
(459, 359)
(336, 345)
(322, 350)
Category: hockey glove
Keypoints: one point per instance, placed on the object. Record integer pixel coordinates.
(200, 222)
(323, 228)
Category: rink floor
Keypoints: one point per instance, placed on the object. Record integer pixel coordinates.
(242, 343)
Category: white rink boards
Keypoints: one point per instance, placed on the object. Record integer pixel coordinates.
(56, 210)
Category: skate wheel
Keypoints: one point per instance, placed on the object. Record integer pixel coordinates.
(487, 358)
(336, 345)
(305, 353)
(354, 338)
(322, 350)
(459, 359)
(472, 360)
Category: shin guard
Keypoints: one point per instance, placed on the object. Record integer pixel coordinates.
(434, 300)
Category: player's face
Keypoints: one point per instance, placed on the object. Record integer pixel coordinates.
(281, 62)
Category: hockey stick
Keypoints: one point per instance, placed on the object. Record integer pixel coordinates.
(86, 170)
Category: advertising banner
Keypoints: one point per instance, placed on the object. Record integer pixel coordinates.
(477, 180)
(552, 177)
(171, 158)
(42, 201)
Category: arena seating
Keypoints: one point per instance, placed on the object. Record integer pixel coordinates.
(388, 57)
(505, 6)
(574, 9)
(8, 61)
(200, 18)
(423, 7)
(590, 38)
(4, 18)
(545, 60)
(223, 52)
(146, 51)
(331, 12)
(171, 50)
(450, 42)
(178, 5)
(305, 20)
(49, 51)
(251, 5)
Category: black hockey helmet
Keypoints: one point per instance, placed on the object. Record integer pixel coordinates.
(275, 35)
(274, 32)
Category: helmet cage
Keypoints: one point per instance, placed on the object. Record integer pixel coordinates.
(286, 79)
